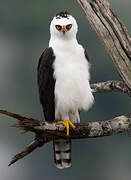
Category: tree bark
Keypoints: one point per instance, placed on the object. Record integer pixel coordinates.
(112, 33)
(45, 132)
(110, 86)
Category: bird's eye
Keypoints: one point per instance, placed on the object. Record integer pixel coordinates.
(58, 27)
(69, 26)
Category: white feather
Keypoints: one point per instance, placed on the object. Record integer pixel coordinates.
(71, 71)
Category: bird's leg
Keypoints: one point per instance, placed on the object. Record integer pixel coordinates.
(66, 123)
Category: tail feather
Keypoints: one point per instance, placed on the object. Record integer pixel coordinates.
(62, 153)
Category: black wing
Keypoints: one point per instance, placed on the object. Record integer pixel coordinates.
(46, 83)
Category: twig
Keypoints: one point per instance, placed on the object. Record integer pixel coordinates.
(24, 122)
(31, 147)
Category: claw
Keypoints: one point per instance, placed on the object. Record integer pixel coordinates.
(66, 123)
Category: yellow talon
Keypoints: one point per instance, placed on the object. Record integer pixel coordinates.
(66, 124)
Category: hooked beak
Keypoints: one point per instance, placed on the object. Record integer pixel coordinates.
(63, 29)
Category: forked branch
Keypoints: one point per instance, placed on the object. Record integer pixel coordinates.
(45, 132)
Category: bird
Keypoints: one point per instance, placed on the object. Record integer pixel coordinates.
(63, 77)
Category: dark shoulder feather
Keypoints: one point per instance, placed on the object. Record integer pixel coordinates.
(86, 55)
(46, 83)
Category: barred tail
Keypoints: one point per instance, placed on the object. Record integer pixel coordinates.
(62, 153)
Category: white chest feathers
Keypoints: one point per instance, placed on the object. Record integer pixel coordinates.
(72, 89)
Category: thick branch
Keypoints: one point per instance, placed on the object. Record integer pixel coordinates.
(91, 129)
(46, 132)
(82, 130)
(112, 33)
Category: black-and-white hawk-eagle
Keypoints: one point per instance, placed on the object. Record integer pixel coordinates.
(63, 81)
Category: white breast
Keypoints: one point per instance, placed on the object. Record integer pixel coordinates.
(71, 71)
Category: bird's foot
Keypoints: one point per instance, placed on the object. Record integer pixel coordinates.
(66, 123)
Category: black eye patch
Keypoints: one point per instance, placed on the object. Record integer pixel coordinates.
(58, 27)
(69, 26)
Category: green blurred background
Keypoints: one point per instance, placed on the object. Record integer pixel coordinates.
(24, 34)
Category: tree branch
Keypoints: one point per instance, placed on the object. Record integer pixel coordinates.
(110, 86)
(31, 147)
(112, 33)
(43, 129)
(46, 132)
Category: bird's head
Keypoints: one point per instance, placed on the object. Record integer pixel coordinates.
(64, 26)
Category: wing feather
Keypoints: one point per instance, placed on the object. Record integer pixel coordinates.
(46, 83)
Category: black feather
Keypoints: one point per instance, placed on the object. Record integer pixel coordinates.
(86, 55)
(46, 83)
(62, 15)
